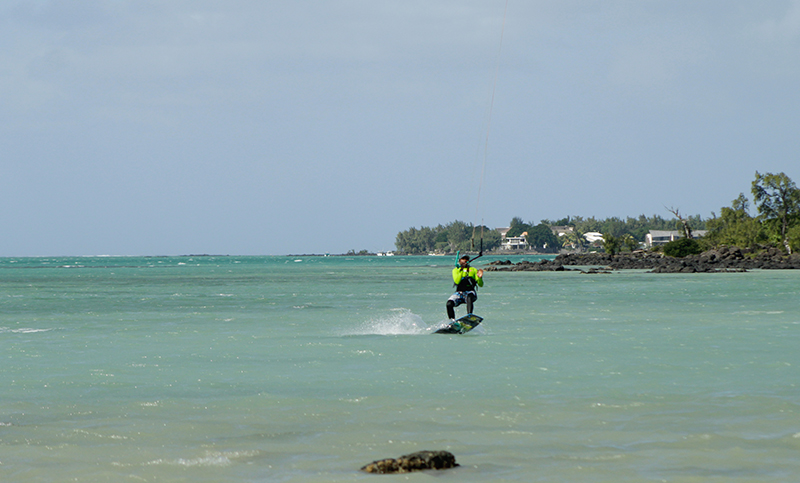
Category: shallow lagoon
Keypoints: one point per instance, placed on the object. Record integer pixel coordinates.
(306, 368)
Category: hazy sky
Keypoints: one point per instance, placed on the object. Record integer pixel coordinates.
(146, 127)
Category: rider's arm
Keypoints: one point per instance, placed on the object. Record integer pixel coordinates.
(479, 277)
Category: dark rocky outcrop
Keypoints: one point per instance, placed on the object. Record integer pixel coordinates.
(421, 460)
(724, 259)
(526, 266)
(593, 271)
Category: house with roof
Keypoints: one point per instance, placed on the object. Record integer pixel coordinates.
(515, 242)
(512, 242)
(503, 231)
(593, 236)
(662, 237)
(561, 230)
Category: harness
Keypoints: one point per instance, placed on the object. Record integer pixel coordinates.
(467, 283)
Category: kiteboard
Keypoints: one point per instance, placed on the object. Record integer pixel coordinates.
(462, 325)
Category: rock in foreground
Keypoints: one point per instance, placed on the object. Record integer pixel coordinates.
(421, 460)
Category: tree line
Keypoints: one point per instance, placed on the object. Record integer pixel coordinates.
(449, 238)
(777, 201)
(776, 198)
(458, 235)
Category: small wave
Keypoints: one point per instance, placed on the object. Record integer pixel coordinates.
(400, 322)
(212, 458)
(24, 330)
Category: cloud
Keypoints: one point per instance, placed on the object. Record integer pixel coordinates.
(189, 118)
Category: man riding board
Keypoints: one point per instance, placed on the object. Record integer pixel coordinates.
(466, 279)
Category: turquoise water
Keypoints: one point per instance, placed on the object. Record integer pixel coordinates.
(282, 369)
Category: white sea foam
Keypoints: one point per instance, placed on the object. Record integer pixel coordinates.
(398, 322)
(24, 330)
(402, 322)
(212, 458)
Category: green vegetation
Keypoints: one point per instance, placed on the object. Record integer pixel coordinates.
(611, 243)
(618, 234)
(359, 253)
(629, 242)
(682, 247)
(540, 237)
(776, 199)
(449, 238)
(638, 227)
(735, 226)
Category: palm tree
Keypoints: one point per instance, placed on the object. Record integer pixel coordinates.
(573, 240)
(629, 241)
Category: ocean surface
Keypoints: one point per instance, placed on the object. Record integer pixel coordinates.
(304, 369)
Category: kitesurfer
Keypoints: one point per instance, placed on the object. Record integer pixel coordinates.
(466, 279)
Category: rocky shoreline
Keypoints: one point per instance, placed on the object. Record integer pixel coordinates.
(724, 259)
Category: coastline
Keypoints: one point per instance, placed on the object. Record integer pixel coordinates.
(724, 259)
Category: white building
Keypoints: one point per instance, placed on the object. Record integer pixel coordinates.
(503, 231)
(593, 236)
(514, 242)
(661, 237)
(562, 230)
